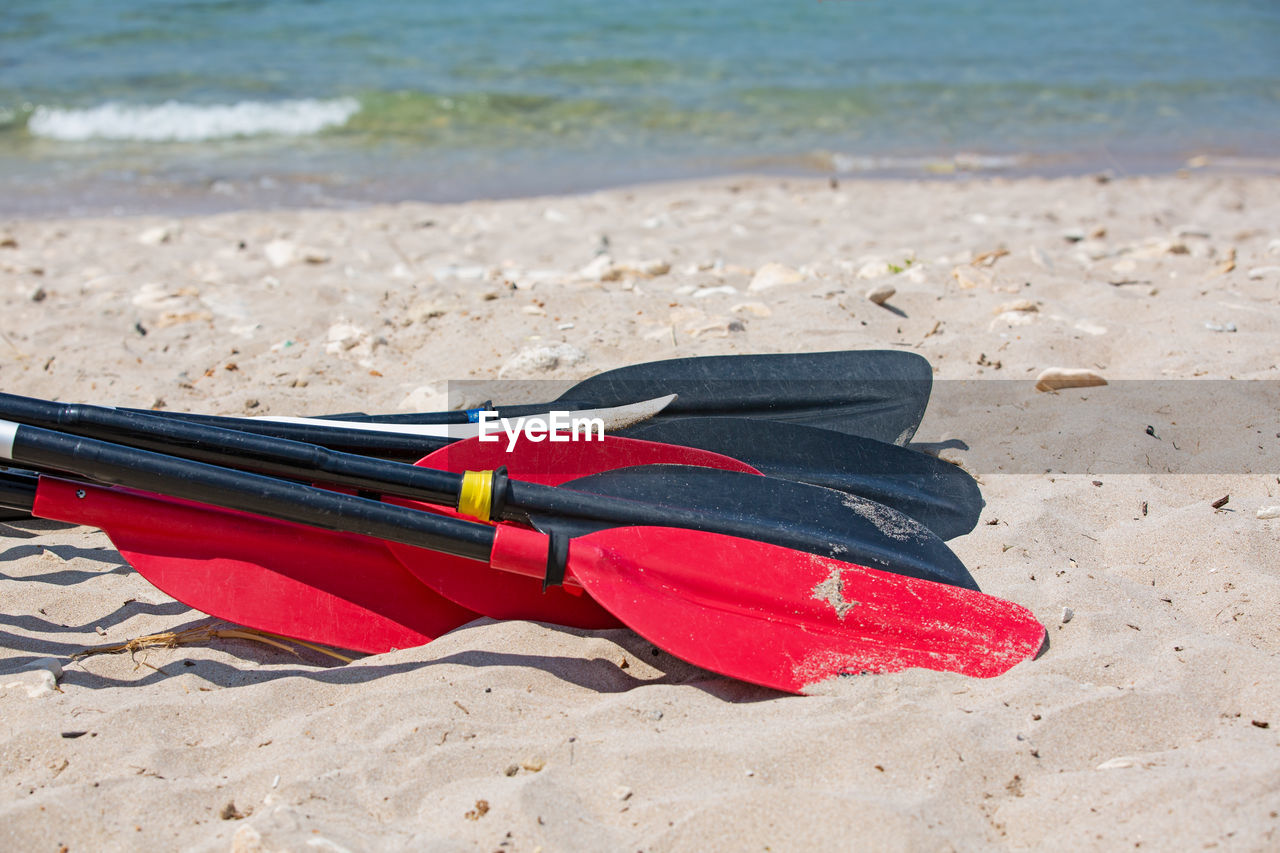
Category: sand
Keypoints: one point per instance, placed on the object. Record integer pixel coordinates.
(1153, 720)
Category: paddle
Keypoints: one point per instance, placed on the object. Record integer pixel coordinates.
(792, 514)
(878, 394)
(338, 589)
(939, 495)
(754, 611)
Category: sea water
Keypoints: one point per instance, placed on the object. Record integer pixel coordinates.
(144, 104)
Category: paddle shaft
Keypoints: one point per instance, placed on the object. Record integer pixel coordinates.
(385, 445)
(47, 450)
(309, 462)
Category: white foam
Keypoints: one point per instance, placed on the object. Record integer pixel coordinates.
(845, 164)
(175, 121)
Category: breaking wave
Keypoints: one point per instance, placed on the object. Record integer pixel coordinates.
(175, 121)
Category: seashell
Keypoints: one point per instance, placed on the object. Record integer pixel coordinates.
(1057, 378)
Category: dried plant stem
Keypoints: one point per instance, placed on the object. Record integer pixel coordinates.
(202, 635)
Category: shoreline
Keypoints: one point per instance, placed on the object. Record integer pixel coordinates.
(177, 190)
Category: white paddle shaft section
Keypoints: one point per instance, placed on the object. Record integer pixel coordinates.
(614, 418)
(8, 432)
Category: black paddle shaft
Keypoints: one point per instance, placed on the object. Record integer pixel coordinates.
(47, 450)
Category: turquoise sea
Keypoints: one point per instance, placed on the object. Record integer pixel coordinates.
(194, 105)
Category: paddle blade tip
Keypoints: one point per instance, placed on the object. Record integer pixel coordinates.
(790, 620)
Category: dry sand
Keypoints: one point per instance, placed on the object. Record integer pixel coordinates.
(1153, 721)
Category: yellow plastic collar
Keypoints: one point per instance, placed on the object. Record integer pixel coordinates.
(475, 499)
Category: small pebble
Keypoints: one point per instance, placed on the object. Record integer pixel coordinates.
(759, 309)
(157, 235)
(1017, 305)
(47, 664)
(874, 268)
(428, 309)
(279, 253)
(652, 267)
(230, 812)
(1263, 272)
(881, 293)
(968, 277)
(715, 328)
(704, 292)
(600, 266)
(1269, 512)
(342, 337)
(542, 358)
(1067, 615)
(37, 683)
(622, 792)
(38, 678)
(534, 763)
(1055, 378)
(1214, 327)
(773, 275)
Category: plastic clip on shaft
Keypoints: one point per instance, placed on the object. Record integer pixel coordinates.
(483, 494)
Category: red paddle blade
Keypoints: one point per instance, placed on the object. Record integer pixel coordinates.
(507, 596)
(338, 589)
(552, 463)
(782, 618)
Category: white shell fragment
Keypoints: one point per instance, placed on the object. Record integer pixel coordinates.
(1056, 378)
(1269, 512)
(1118, 763)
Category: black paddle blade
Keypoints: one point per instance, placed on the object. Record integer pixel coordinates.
(780, 512)
(878, 394)
(937, 494)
